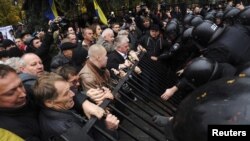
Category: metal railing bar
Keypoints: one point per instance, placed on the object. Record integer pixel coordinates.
(132, 122)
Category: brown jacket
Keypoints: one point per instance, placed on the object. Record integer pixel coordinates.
(93, 77)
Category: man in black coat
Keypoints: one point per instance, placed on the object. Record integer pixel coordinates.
(118, 62)
(117, 58)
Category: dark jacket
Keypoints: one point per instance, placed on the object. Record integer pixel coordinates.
(134, 36)
(68, 123)
(22, 121)
(55, 123)
(154, 47)
(58, 61)
(114, 59)
(79, 57)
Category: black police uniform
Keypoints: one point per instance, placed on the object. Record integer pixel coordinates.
(231, 47)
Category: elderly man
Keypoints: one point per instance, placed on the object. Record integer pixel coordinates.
(57, 116)
(107, 39)
(17, 114)
(31, 65)
(118, 59)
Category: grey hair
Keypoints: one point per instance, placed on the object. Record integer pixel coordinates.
(15, 63)
(107, 31)
(119, 40)
(123, 33)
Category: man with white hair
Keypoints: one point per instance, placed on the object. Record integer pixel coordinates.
(15, 63)
(117, 58)
(106, 39)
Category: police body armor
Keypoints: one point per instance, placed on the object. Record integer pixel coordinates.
(222, 102)
(236, 42)
(232, 42)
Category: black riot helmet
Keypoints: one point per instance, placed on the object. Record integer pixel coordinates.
(196, 20)
(187, 20)
(210, 17)
(213, 12)
(201, 70)
(206, 32)
(173, 29)
(187, 34)
(230, 15)
(219, 15)
(244, 16)
(219, 18)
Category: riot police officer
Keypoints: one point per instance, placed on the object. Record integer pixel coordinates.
(224, 45)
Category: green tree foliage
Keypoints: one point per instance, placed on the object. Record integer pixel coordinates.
(9, 13)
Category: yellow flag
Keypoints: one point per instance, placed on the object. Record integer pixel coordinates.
(53, 8)
(100, 13)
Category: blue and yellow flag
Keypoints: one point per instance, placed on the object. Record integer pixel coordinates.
(52, 12)
(100, 14)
